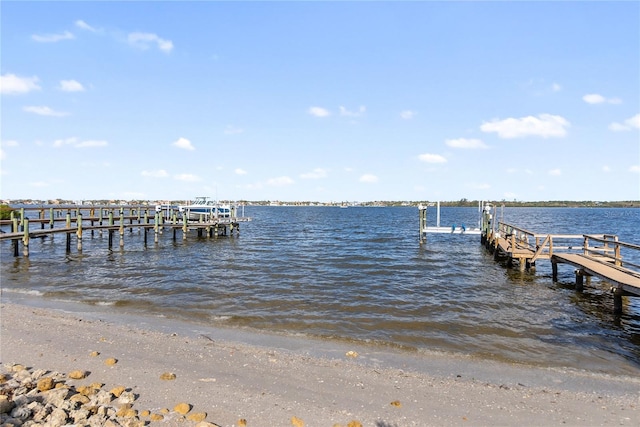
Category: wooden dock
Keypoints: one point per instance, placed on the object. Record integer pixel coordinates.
(77, 221)
(598, 255)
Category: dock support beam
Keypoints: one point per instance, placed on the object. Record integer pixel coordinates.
(617, 300)
(422, 212)
(579, 280)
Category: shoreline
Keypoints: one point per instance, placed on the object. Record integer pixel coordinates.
(268, 379)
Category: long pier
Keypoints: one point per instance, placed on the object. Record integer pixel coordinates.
(78, 220)
(598, 255)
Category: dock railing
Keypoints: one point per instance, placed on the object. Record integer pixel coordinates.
(608, 249)
(542, 246)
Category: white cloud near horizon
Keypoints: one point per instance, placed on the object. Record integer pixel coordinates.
(634, 169)
(317, 173)
(368, 178)
(544, 125)
(280, 181)
(12, 84)
(187, 177)
(466, 143)
(628, 124)
(594, 98)
(184, 144)
(319, 112)
(53, 38)
(44, 111)
(432, 158)
(160, 173)
(555, 172)
(146, 40)
(239, 171)
(71, 86)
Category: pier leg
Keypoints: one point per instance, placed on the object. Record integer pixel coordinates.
(554, 271)
(145, 237)
(579, 281)
(110, 239)
(16, 250)
(617, 300)
(68, 242)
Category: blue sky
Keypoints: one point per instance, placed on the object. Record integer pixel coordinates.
(324, 101)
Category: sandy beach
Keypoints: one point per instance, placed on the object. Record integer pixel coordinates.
(270, 380)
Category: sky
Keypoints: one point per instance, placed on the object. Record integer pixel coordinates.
(320, 101)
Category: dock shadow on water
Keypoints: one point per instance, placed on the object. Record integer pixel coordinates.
(358, 275)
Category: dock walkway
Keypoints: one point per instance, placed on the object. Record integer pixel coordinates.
(79, 220)
(598, 255)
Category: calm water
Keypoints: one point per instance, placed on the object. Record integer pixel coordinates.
(356, 274)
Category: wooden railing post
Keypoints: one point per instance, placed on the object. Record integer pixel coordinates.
(79, 231)
(616, 252)
(25, 237)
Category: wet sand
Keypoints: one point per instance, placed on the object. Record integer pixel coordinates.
(268, 380)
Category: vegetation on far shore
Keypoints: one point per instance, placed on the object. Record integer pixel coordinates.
(5, 209)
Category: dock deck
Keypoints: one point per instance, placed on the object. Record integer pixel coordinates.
(79, 220)
(596, 255)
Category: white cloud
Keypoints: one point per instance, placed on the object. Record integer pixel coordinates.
(10, 143)
(144, 40)
(53, 38)
(432, 158)
(556, 87)
(239, 171)
(545, 125)
(160, 173)
(183, 143)
(232, 130)
(319, 112)
(368, 178)
(594, 98)
(555, 172)
(10, 83)
(75, 142)
(634, 169)
(408, 114)
(465, 143)
(71, 86)
(628, 124)
(480, 186)
(44, 111)
(606, 168)
(317, 173)
(187, 177)
(81, 24)
(39, 184)
(92, 143)
(280, 181)
(347, 113)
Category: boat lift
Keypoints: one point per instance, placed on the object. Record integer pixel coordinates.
(454, 228)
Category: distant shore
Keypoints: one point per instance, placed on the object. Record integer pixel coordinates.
(280, 381)
(376, 203)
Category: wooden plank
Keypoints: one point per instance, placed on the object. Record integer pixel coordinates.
(620, 276)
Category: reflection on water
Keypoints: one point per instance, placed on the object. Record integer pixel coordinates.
(356, 274)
